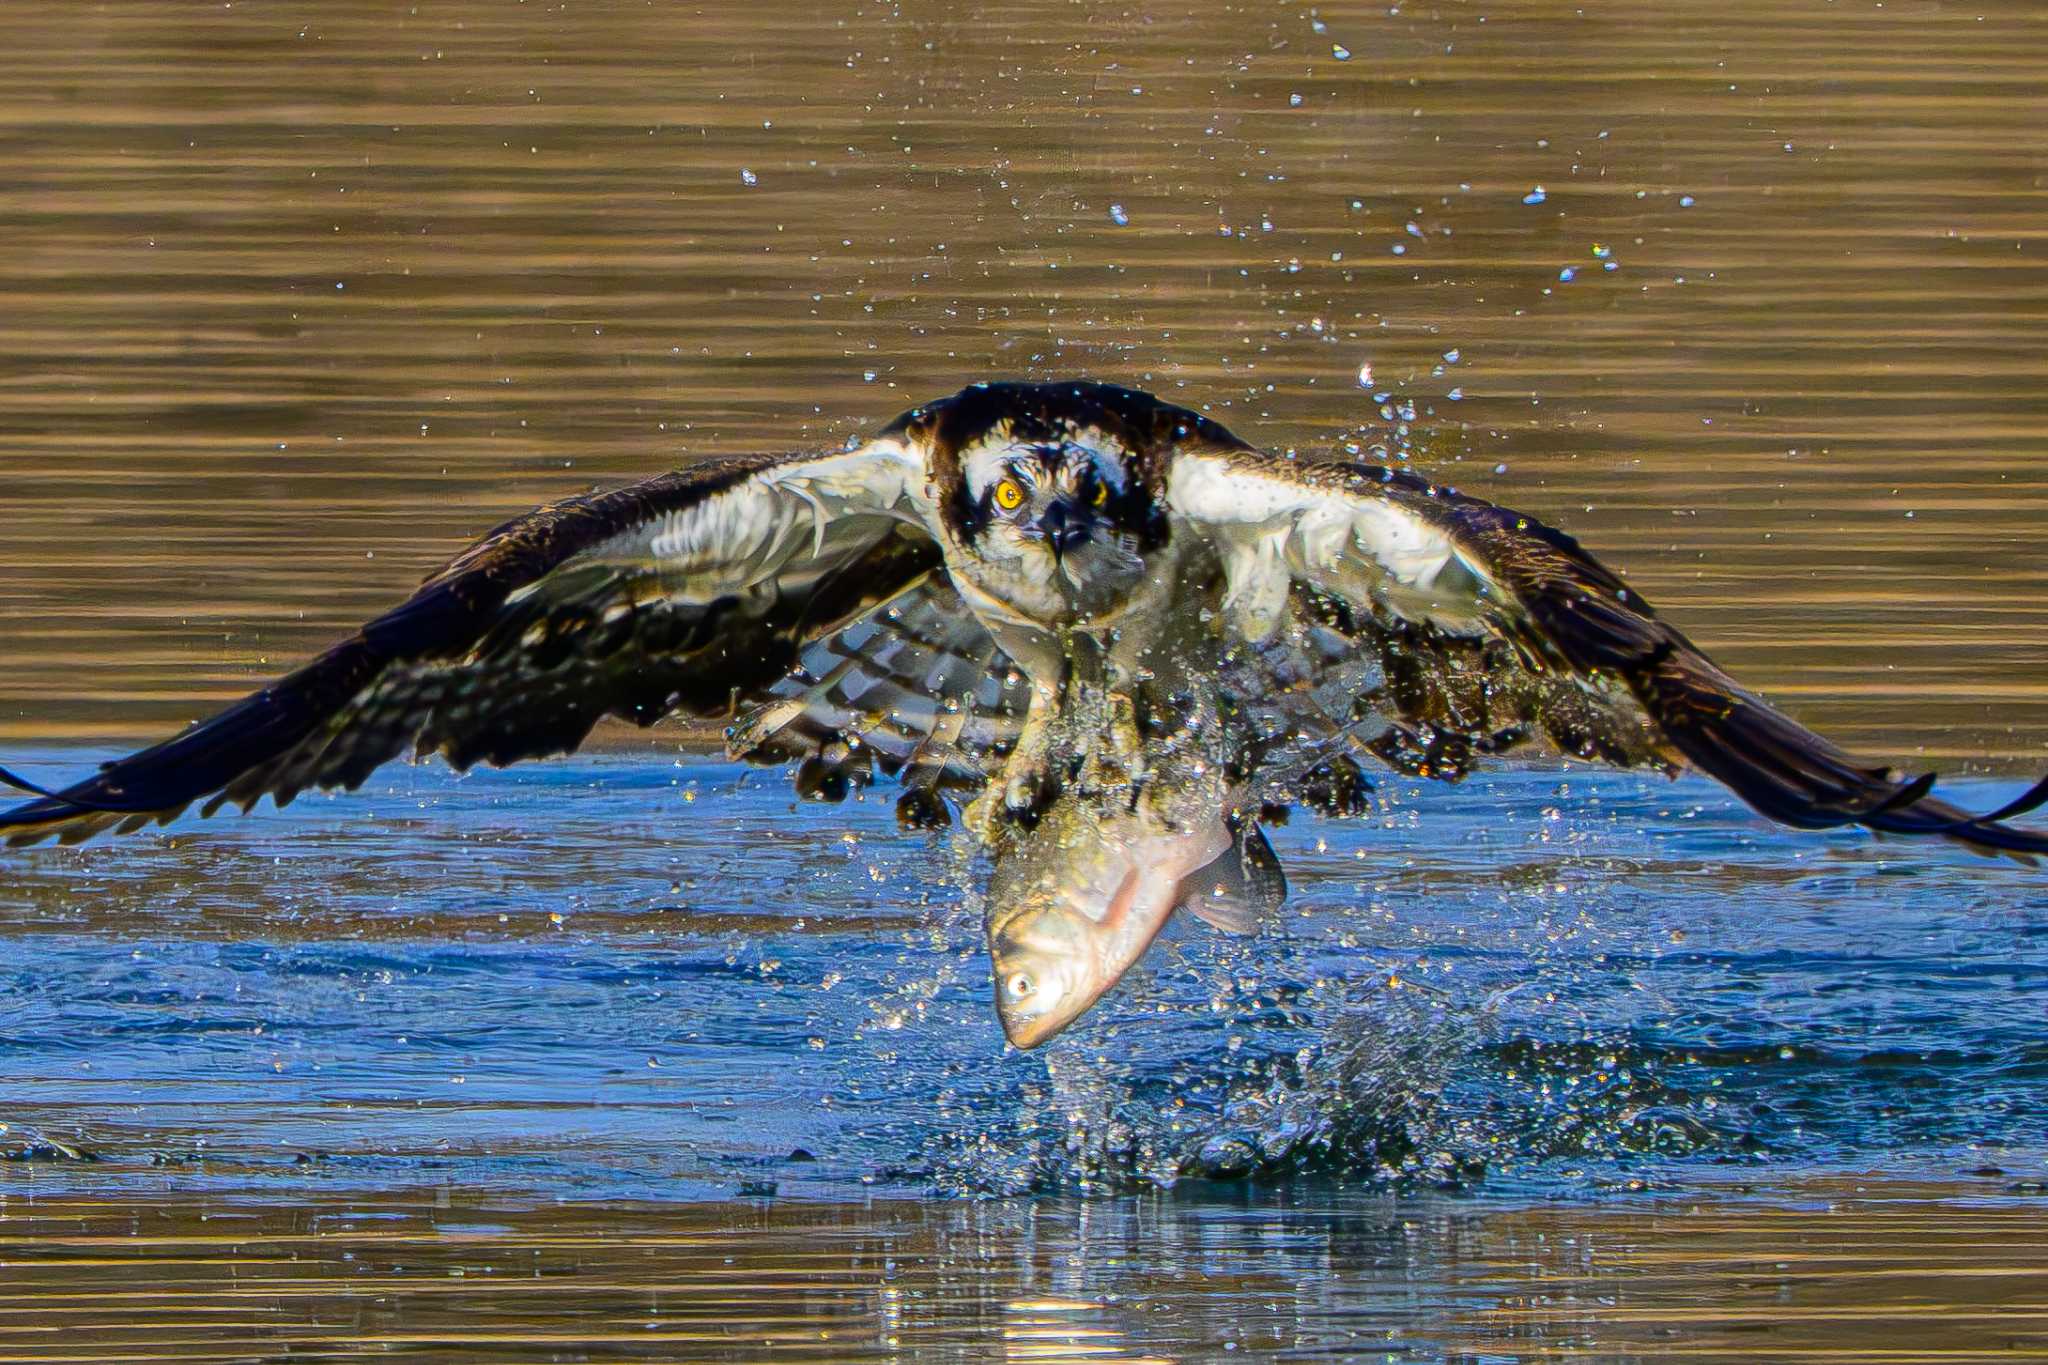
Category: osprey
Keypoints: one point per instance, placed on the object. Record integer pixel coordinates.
(1037, 593)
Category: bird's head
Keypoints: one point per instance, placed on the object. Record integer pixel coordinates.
(1048, 490)
(1070, 507)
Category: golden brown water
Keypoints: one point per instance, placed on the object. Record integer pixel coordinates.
(296, 298)
(1838, 1271)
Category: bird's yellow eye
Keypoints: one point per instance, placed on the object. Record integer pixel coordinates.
(1009, 496)
(1101, 493)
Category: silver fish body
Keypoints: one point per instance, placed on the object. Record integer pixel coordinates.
(1079, 902)
(1076, 899)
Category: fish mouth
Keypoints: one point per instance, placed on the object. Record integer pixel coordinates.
(1026, 1035)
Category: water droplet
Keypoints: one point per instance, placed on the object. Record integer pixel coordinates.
(1685, 201)
(1451, 356)
(1340, 52)
(1365, 375)
(1456, 395)
(1118, 216)
(747, 177)
(867, 376)
(1535, 196)
(1567, 274)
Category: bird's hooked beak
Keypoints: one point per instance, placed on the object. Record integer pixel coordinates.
(1063, 525)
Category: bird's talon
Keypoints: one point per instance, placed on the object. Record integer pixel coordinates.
(1337, 788)
(1021, 794)
(921, 808)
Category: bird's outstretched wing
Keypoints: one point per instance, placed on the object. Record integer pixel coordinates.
(690, 592)
(1492, 627)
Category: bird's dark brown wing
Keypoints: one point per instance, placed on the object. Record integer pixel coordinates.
(687, 593)
(1492, 627)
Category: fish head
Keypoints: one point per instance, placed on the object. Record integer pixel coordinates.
(1049, 971)
(1076, 905)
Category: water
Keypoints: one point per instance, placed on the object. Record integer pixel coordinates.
(296, 298)
(1803, 413)
(637, 976)
(632, 1056)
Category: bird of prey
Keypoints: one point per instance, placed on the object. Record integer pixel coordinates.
(1105, 618)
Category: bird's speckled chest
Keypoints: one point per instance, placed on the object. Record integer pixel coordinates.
(1036, 618)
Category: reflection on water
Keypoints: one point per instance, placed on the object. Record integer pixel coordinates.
(1831, 1270)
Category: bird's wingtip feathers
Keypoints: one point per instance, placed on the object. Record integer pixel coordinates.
(1912, 812)
(1790, 774)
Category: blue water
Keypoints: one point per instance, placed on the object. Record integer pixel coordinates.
(636, 976)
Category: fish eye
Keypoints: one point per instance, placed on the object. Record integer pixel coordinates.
(1009, 496)
(1019, 985)
(1101, 497)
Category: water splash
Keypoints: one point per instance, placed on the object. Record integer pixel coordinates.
(1341, 1081)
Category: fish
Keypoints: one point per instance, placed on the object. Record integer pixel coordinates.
(1075, 900)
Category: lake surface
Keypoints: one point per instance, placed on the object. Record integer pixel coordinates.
(1830, 1271)
(297, 298)
(721, 1072)
(616, 977)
